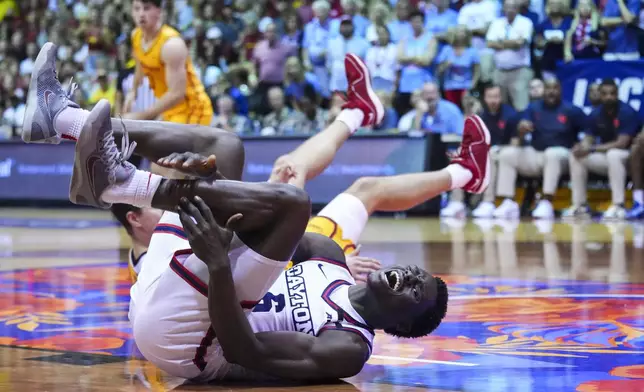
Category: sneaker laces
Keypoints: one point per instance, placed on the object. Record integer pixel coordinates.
(454, 156)
(457, 156)
(113, 157)
(71, 88)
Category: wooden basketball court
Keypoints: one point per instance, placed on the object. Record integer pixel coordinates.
(532, 308)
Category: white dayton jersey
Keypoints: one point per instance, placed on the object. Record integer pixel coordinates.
(311, 297)
(169, 302)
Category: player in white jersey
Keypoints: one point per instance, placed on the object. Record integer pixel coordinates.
(139, 223)
(175, 317)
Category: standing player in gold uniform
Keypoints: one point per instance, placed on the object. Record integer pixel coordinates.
(162, 56)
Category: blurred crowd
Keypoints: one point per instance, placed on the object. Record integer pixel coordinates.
(276, 66)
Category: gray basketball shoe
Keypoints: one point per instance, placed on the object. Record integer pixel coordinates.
(45, 99)
(98, 164)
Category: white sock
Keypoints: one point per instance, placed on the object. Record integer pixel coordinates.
(352, 118)
(460, 175)
(349, 213)
(137, 191)
(70, 122)
(638, 196)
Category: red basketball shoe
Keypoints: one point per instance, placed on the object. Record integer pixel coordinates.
(360, 94)
(474, 154)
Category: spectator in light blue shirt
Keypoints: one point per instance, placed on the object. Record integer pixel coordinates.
(314, 45)
(622, 35)
(459, 63)
(185, 14)
(415, 55)
(400, 27)
(360, 23)
(439, 18)
(435, 114)
(346, 42)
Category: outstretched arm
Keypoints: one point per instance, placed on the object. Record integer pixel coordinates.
(292, 355)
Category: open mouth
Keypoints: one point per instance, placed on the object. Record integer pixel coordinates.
(394, 279)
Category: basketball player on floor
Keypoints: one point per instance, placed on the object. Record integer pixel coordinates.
(324, 330)
(344, 218)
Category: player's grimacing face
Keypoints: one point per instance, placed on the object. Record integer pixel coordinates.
(145, 14)
(403, 293)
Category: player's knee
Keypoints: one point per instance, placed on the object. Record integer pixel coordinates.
(365, 189)
(293, 200)
(234, 144)
(282, 160)
(229, 148)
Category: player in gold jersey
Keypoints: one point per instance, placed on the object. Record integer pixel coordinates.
(162, 56)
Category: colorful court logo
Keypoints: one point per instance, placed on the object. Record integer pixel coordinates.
(500, 334)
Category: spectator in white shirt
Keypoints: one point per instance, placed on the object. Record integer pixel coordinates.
(338, 47)
(382, 62)
(510, 36)
(27, 65)
(477, 15)
(379, 15)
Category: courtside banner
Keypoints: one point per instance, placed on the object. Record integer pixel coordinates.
(576, 76)
(42, 171)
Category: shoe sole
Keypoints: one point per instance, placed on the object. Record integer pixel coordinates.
(32, 97)
(80, 174)
(380, 109)
(480, 126)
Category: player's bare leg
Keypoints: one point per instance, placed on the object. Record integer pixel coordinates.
(394, 193)
(405, 191)
(363, 108)
(316, 153)
(159, 139)
(469, 171)
(274, 215)
(51, 116)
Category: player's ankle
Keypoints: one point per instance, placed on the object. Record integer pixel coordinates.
(459, 175)
(138, 190)
(352, 118)
(70, 121)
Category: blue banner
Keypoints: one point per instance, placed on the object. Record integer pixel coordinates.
(42, 171)
(577, 76)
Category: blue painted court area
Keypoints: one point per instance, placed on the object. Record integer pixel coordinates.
(500, 334)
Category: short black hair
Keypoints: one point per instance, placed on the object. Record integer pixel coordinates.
(309, 92)
(489, 87)
(417, 14)
(427, 322)
(120, 213)
(608, 82)
(157, 3)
